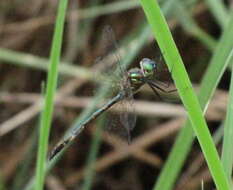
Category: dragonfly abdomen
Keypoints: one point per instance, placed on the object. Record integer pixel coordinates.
(75, 133)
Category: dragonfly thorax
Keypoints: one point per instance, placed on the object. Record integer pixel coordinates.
(148, 67)
(136, 78)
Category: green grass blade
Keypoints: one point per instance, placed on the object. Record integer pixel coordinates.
(35, 62)
(184, 87)
(227, 149)
(108, 8)
(191, 27)
(185, 138)
(51, 85)
(219, 11)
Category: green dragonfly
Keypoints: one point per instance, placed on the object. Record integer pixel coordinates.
(130, 82)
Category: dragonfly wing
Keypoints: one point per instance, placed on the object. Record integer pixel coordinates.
(162, 91)
(128, 116)
(111, 40)
(122, 118)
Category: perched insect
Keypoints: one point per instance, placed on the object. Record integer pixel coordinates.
(129, 83)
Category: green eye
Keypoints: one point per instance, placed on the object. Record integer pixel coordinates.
(148, 66)
(135, 76)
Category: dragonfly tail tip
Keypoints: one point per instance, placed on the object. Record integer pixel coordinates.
(56, 150)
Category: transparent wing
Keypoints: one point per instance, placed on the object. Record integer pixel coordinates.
(125, 118)
(114, 124)
(108, 60)
(110, 39)
(122, 119)
(128, 118)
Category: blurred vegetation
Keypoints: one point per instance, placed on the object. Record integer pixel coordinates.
(163, 153)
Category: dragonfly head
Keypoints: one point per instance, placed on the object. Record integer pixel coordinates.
(148, 67)
(136, 78)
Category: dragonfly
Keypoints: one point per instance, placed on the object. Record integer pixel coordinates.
(130, 83)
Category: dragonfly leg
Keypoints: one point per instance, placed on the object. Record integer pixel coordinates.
(162, 89)
(155, 91)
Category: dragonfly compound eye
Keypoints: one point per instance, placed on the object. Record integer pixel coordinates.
(136, 77)
(148, 67)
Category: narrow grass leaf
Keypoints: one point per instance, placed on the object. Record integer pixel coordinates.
(191, 26)
(51, 85)
(219, 11)
(185, 138)
(35, 62)
(184, 87)
(227, 149)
